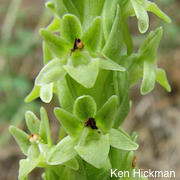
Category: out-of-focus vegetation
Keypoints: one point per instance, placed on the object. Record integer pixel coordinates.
(20, 61)
(155, 117)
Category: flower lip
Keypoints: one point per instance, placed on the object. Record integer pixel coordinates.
(90, 122)
(78, 44)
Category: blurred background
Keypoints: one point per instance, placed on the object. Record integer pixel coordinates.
(155, 117)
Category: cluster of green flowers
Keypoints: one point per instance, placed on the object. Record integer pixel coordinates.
(83, 65)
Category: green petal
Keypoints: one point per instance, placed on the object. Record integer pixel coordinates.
(71, 124)
(162, 79)
(108, 64)
(86, 75)
(51, 72)
(32, 122)
(120, 141)
(21, 138)
(46, 92)
(59, 46)
(54, 26)
(44, 130)
(91, 37)
(70, 28)
(142, 16)
(33, 94)
(92, 151)
(113, 45)
(105, 116)
(84, 107)
(148, 49)
(151, 6)
(63, 151)
(149, 79)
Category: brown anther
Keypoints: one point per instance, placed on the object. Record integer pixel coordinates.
(90, 122)
(78, 44)
(134, 162)
(34, 138)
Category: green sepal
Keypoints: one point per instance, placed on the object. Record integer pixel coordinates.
(54, 26)
(91, 37)
(47, 53)
(33, 94)
(113, 45)
(72, 125)
(21, 138)
(126, 163)
(127, 39)
(63, 151)
(135, 74)
(123, 109)
(44, 130)
(134, 136)
(162, 79)
(151, 6)
(148, 49)
(79, 174)
(46, 92)
(85, 75)
(72, 163)
(121, 88)
(108, 64)
(91, 10)
(142, 16)
(33, 123)
(72, 7)
(59, 46)
(60, 8)
(51, 72)
(84, 107)
(105, 116)
(70, 28)
(149, 79)
(108, 16)
(92, 151)
(115, 156)
(51, 6)
(64, 95)
(26, 166)
(120, 141)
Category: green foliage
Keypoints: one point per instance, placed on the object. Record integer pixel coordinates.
(83, 65)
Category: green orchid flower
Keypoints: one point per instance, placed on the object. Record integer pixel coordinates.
(72, 53)
(90, 133)
(139, 9)
(36, 146)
